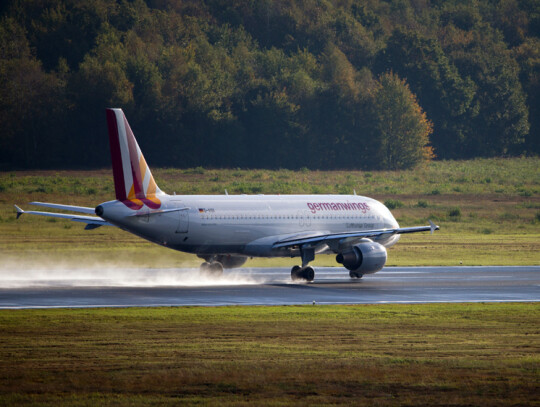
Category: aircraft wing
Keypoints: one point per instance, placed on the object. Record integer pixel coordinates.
(92, 222)
(329, 237)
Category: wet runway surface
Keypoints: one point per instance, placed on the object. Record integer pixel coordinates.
(267, 286)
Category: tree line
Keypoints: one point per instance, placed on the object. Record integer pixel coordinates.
(322, 84)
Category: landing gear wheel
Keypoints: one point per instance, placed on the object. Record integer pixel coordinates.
(296, 273)
(308, 274)
(299, 273)
(354, 274)
(214, 269)
(205, 268)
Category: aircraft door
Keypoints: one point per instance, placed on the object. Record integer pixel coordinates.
(304, 218)
(307, 218)
(183, 221)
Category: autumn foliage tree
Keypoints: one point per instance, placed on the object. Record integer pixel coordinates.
(302, 83)
(401, 127)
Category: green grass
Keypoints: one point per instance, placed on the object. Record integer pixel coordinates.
(458, 354)
(516, 176)
(488, 210)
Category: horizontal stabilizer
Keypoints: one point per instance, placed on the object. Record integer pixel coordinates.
(89, 220)
(81, 209)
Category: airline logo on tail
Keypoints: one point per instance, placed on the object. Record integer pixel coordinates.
(133, 181)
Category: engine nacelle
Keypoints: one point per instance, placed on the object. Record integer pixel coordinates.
(363, 258)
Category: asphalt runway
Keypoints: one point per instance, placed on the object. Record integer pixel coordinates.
(265, 286)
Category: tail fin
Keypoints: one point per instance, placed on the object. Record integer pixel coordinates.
(133, 181)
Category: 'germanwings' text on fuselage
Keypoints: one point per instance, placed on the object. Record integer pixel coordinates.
(225, 230)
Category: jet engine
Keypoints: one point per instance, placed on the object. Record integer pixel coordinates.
(367, 257)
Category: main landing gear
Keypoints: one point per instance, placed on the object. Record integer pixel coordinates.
(302, 273)
(212, 269)
(305, 272)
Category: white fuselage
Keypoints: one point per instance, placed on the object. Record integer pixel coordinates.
(249, 224)
(225, 230)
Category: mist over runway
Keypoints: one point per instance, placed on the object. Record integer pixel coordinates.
(266, 286)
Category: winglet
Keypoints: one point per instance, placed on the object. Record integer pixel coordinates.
(433, 226)
(19, 211)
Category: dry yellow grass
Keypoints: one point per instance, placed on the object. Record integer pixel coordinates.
(458, 354)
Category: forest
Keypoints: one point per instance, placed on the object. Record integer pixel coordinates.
(317, 84)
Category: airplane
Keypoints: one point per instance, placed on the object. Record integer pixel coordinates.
(226, 230)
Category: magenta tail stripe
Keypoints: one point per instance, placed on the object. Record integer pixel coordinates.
(134, 161)
(151, 204)
(116, 156)
(132, 205)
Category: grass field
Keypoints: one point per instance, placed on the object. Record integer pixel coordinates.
(414, 355)
(488, 210)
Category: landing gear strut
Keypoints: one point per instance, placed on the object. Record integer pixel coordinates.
(213, 269)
